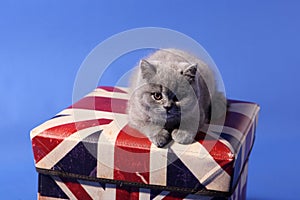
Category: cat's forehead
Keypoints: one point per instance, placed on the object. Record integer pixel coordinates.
(170, 65)
(169, 76)
(175, 85)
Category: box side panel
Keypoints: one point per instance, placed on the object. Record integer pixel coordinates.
(54, 187)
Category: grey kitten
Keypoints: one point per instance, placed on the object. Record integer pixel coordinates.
(171, 97)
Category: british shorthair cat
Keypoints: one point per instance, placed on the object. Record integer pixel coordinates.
(172, 94)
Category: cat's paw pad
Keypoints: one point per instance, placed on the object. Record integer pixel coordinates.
(182, 136)
(162, 138)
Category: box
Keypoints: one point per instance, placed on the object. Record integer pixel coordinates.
(88, 151)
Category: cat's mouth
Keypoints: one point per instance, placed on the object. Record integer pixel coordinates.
(173, 113)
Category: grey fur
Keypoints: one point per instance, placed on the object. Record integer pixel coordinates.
(171, 94)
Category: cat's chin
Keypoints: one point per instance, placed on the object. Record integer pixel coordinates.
(172, 123)
(173, 118)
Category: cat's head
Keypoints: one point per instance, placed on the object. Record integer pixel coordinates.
(166, 92)
(168, 71)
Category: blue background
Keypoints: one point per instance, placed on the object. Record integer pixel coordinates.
(254, 44)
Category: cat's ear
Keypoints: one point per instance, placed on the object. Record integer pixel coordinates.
(190, 72)
(148, 70)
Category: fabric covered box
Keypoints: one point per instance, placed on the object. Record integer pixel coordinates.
(88, 151)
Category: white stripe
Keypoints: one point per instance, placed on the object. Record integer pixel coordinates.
(110, 192)
(64, 188)
(162, 195)
(103, 93)
(195, 156)
(106, 149)
(220, 182)
(74, 115)
(125, 89)
(65, 147)
(87, 114)
(210, 173)
(226, 129)
(158, 165)
(94, 189)
(144, 194)
(141, 177)
(247, 109)
(253, 130)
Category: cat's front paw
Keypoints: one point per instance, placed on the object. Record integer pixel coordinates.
(161, 139)
(182, 136)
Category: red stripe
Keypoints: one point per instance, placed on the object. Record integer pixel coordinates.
(134, 193)
(132, 156)
(219, 151)
(47, 140)
(112, 89)
(78, 191)
(122, 193)
(127, 192)
(102, 104)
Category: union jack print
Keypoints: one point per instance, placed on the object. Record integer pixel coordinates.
(90, 142)
(54, 187)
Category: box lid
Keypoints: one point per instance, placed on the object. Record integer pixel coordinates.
(91, 140)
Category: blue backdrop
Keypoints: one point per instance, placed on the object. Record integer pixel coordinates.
(254, 44)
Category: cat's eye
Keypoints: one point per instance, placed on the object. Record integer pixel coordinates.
(157, 96)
